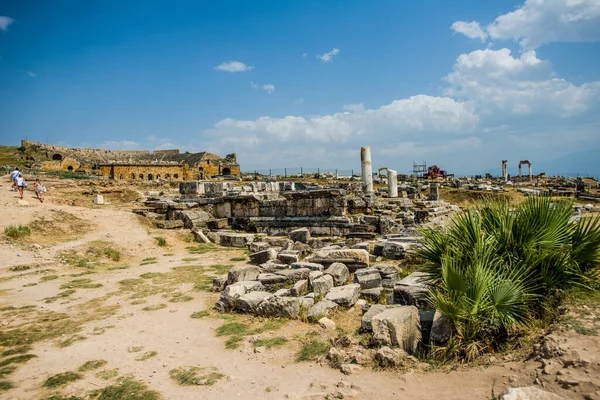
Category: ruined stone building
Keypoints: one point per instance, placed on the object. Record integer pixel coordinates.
(131, 164)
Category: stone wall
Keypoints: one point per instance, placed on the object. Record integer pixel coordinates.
(149, 172)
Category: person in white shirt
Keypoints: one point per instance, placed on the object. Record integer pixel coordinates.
(21, 184)
(13, 176)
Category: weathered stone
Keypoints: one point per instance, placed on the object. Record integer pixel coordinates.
(272, 266)
(529, 393)
(220, 223)
(301, 235)
(191, 218)
(263, 256)
(255, 247)
(248, 302)
(322, 284)
(387, 357)
(300, 288)
(286, 307)
(345, 295)
(397, 327)
(289, 256)
(232, 292)
(349, 369)
(441, 328)
(373, 310)
(306, 302)
(99, 199)
(393, 250)
(426, 321)
(372, 295)
(362, 246)
(327, 324)
(309, 265)
(367, 278)
(294, 275)
(269, 279)
(283, 293)
(218, 284)
(173, 224)
(353, 258)
(321, 309)
(339, 272)
(389, 275)
(230, 239)
(242, 273)
(412, 290)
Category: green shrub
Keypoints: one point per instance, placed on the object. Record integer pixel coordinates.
(161, 241)
(494, 270)
(17, 231)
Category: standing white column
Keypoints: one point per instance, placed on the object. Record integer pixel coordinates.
(366, 169)
(392, 183)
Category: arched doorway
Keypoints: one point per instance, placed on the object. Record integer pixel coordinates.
(150, 177)
(167, 176)
(142, 176)
(70, 168)
(176, 176)
(57, 157)
(226, 171)
(132, 176)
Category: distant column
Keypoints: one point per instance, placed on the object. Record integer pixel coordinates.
(392, 183)
(519, 170)
(366, 169)
(530, 177)
(504, 171)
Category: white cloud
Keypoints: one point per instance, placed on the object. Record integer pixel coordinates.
(269, 88)
(472, 30)
(166, 146)
(31, 74)
(5, 22)
(233, 66)
(499, 83)
(304, 55)
(328, 57)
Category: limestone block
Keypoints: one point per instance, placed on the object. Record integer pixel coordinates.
(322, 284)
(99, 199)
(232, 292)
(248, 302)
(339, 272)
(306, 302)
(441, 328)
(397, 327)
(263, 256)
(286, 307)
(199, 236)
(230, 239)
(243, 273)
(362, 246)
(529, 393)
(344, 296)
(393, 250)
(300, 288)
(269, 279)
(169, 224)
(372, 295)
(368, 278)
(353, 258)
(301, 235)
(283, 292)
(412, 290)
(218, 284)
(289, 256)
(255, 247)
(321, 309)
(220, 223)
(309, 265)
(294, 275)
(373, 310)
(327, 324)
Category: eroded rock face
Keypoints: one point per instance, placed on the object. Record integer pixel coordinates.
(286, 307)
(243, 273)
(397, 327)
(344, 296)
(529, 393)
(339, 272)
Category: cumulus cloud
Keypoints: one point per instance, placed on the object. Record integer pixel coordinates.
(545, 21)
(497, 82)
(328, 57)
(233, 66)
(472, 30)
(269, 88)
(5, 22)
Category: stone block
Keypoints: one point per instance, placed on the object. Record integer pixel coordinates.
(99, 199)
(283, 293)
(306, 302)
(324, 308)
(412, 290)
(393, 250)
(220, 223)
(268, 279)
(232, 292)
(230, 239)
(339, 272)
(255, 247)
(243, 273)
(264, 256)
(301, 235)
(368, 315)
(353, 258)
(327, 324)
(368, 278)
(321, 285)
(286, 307)
(529, 393)
(362, 246)
(309, 265)
(300, 288)
(344, 296)
(397, 327)
(248, 302)
(441, 329)
(169, 224)
(372, 295)
(294, 275)
(218, 284)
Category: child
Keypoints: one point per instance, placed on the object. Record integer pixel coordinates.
(39, 190)
(21, 184)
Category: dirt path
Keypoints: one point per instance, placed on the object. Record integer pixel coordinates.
(112, 332)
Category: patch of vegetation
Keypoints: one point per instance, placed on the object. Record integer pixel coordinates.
(7, 370)
(134, 349)
(96, 251)
(60, 296)
(204, 248)
(154, 307)
(190, 259)
(70, 341)
(312, 350)
(62, 379)
(180, 298)
(16, 350)
(168, 254)
(137, 302)
(150, 275)
(126, 388)
(108, 374)
(92, 364)
(238, 259)
(30, 284)
(496, 270)
(118, 267)
(236, 331)
(48, 278)
(161, 241)
(17, 231)
(60, 397)
(83, 283)
(20, 359)
(5, 385)
(195, 376)
(271, 342)
(147, 355)
(200, 314)
(99, 330)
(572, 323)
(18, 268)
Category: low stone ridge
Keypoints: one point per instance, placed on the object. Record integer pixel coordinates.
(397, 327)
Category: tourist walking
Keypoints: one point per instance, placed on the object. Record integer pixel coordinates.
(39, 190)
(13, 177)
(21, 184)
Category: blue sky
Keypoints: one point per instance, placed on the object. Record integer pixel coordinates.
(306, 83)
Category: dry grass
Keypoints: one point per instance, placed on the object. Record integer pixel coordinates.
(57, 226)
(471, 198)
(146, 356)
(97, 254)
(92, 364)
(195, 376)
(125, 388)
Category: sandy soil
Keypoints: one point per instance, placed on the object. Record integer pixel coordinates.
(178, 339)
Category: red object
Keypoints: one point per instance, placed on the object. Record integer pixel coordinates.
(434, 171)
